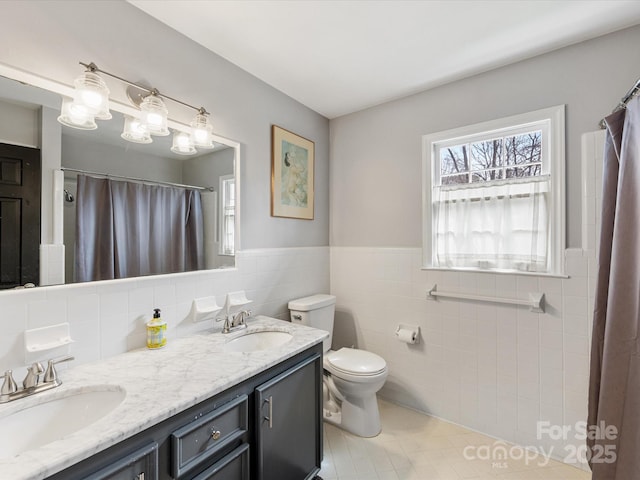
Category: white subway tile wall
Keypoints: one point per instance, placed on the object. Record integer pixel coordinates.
(494, 368)
(108, 318)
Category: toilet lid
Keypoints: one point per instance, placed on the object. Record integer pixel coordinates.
(356, 362)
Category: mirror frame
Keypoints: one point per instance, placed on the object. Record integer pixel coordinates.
(65, 90)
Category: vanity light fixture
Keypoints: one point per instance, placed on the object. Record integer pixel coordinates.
(202, 131)
(91, 102)
(154, 114)
(93, 94)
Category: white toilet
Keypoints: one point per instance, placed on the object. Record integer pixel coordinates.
(351, 376)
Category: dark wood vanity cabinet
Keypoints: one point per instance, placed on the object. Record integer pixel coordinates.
(287, 428)
(266, 428)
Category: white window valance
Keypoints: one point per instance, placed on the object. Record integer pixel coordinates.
(502, 226)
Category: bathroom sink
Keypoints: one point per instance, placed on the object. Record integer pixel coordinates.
(260, 340)
(46, 422)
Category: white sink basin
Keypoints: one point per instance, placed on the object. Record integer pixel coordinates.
(260, 340)
(43, 423)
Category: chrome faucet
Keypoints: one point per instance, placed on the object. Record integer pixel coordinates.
(33, 375)
(32, 383)
(234, 322)
(239, 319)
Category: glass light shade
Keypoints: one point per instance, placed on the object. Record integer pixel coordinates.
(154, 115)
(76, 115)
(135, 131)
(182, 144)
(201, 132)
(92, 92)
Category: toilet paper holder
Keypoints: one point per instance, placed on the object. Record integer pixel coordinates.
(408, 333)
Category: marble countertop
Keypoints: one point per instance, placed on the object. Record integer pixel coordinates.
(158, 385)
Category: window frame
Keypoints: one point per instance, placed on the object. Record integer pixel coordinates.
(553, 161)
(225, 181)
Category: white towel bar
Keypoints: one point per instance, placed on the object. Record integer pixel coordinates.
(535, 301)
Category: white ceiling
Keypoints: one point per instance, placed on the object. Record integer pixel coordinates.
(338, 57)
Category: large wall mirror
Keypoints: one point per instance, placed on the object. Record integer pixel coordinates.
(28, 120)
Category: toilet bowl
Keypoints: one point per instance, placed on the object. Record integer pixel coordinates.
(351, 378)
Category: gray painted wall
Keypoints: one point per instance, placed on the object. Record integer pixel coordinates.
(47, 38)
(84, 154)
(19, 125)
(376, 154)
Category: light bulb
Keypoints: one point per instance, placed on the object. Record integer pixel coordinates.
(182, 144)
(135, 131)
(91, 99)
(154, 115)
(76, 115)
(92, 92)
(202, 131)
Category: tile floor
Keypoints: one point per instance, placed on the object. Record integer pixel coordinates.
(413, 446)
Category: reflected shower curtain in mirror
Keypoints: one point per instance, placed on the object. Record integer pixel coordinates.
(614, 383)
(127, 229)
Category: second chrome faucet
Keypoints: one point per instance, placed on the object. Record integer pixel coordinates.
(233, 322)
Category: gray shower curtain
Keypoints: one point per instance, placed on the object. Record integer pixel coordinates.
(614, 384)
(127, 229)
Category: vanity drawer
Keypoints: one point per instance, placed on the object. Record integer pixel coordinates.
(195, 443)
(234, 466)
(141, 464)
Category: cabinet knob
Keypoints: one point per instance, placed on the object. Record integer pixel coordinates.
(215, 434)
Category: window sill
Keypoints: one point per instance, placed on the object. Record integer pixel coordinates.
(497, 272)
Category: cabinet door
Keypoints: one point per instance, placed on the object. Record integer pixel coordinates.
(289, 423)
(141, 464)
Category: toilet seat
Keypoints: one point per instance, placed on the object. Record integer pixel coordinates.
(356, 365)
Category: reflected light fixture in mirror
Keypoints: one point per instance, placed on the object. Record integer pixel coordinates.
(76, 116)
(91, 102)
(135, 131)
(182, 144)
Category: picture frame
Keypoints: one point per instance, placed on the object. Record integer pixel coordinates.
(292, 175)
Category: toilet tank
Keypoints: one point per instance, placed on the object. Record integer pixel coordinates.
(316, 311)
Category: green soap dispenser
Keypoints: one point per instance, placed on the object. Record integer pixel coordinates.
(156, 331)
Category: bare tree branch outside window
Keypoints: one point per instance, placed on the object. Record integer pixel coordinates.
(516, 156)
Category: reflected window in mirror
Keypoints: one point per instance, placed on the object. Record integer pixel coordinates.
(228, 214)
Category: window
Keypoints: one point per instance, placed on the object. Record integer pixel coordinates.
(227, 214)
(494, 195)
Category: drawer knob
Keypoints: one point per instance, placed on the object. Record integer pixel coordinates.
(215, 434)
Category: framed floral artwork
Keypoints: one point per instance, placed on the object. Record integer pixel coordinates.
(292, 166)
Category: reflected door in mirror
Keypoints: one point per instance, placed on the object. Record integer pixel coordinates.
(19, 215)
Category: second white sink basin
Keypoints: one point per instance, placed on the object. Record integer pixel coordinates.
(260, 340)
(46, 422)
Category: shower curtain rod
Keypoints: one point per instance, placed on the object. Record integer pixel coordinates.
(157, 182)
(633, 91)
